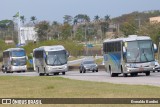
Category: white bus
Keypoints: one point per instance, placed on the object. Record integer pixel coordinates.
(14, 59)
(131, 55)
(50, 60)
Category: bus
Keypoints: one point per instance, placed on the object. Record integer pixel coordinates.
(131, 55)
(50, 60)
(14, 60)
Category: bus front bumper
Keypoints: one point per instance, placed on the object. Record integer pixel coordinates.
(55, 69)
(139, 70)
(19, 68)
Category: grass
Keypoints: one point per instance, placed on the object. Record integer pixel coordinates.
(58, 87)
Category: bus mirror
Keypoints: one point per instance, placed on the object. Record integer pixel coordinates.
(67, 53)
(27, 57)
(155, 48)
(124, 50)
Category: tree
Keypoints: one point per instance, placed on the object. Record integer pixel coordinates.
(68, 19)
(107, 18)
(22, 18)
(75, 22)
(7, 30)
(152, 30)
(79, 34)
(54, 30)
(66, 31)
(33, 19)
(96, 18)
(81, 18)
(42, 30)
(128, 28)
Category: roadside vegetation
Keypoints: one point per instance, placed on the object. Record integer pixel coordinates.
(57, 87)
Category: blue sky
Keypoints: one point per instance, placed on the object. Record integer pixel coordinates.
(54, 10)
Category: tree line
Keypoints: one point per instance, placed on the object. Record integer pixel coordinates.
(81, 28)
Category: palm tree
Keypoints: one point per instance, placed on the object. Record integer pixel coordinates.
(82, 18)
(96, 18)
(86, 18)
(107, 18)
(55, 23)
(33, 19)
(75, 21)
(22, 18)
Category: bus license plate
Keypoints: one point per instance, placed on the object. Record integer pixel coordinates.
(141, 69)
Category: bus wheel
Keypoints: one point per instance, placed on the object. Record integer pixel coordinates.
(134, 74)
(41, 74)
(92, 70)
(84, 71)
(111, 73)
(148, 73)
(63, 73)
(80, 71)
(125, 75)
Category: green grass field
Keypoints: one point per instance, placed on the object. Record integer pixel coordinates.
(58, 87)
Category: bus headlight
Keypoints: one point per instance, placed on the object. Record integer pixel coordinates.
(65, 67)
(49, 68)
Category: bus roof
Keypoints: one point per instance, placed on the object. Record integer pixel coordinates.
(129, 38)
(50, 48)
(13, 49)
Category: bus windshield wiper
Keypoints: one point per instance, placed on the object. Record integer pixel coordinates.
(145, 55)
(59, 60)
(136, 57)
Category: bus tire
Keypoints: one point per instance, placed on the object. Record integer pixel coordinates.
(92, 70)
(97, 70)
(80, 71)
(125, 74)
(63, 73)
(84, 71)
(41, 74)
(134, 74)
(148, 73)
(111, 74)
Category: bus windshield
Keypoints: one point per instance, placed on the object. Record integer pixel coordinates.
(140, 51)
(18, 61)
(56, 58)
(18, 53)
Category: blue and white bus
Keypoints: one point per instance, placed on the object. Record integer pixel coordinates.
(14, 59)
(50, 60)
(131, 55)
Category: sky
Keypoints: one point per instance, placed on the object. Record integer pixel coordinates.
(54, 10)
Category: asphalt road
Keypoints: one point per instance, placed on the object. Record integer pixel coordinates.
(102, 76)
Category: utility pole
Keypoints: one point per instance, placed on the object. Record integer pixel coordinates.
(139, 22)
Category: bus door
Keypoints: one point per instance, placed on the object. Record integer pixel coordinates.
(39, 61)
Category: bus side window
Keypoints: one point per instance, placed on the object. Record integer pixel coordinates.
(38, 54)
(6, 54)
(119, 46)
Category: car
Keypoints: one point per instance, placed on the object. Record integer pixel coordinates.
(88, 65)
(157, 66)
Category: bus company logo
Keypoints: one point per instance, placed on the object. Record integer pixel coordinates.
(6, 101)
